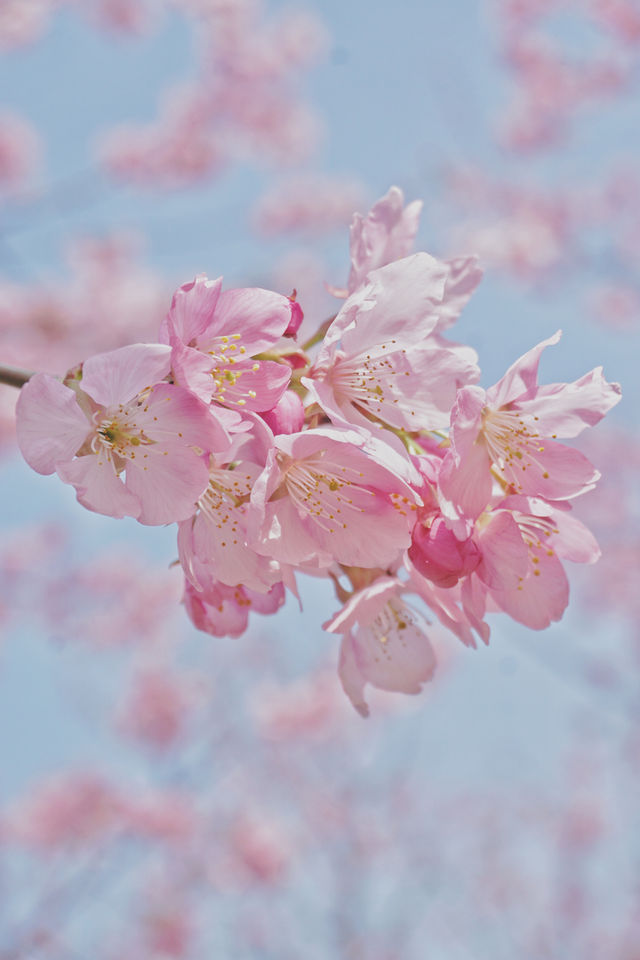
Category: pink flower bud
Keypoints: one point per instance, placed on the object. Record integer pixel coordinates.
(287, 416)
(439, 556)
(297, 316)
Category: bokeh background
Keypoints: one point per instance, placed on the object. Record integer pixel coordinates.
(164, 793)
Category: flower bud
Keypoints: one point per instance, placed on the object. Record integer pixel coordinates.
(287, 416)
(439, 556)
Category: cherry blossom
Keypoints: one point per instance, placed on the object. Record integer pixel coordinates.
(332, 495)
(216, 337)
(117, 415)
(389, 648)
(512, 427)
(365, 453)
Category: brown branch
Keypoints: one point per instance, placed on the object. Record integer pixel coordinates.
(14, 376)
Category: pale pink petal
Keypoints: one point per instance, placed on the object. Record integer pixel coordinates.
(192, 309)
(565, 533)
(465, 486)
(259, 316)
(551, 470)
(565, 409)
(120, 375)
(364, 605)
(266, 603)
(466, 418)
(98, 486)
(351, 678)
(442, 602)
(167, 479)
(394, 652)
(221, 612)
(541, 597)
(521, 379)
(387, 233)
(259, 385)
(463, 277)
(473, 596)
(170, 413)
(50, 425)
(504, 553)
(407, 291)
(192, 369)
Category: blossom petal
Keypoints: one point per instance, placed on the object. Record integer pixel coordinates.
(120, 375)
(565, 409)
(259, 316)
(50, 425)
(98, 486)
(521, 379)
(167, 479)
(192, 308)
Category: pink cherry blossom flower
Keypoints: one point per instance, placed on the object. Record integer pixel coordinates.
(384, 643)
(522, 542)
(287, 416)
(330, 495)
(120, 418)
(381, 357)
(212, 544)
(223, 611)
(384, 235)
(512, 428)
(216, 338)
(438, 554)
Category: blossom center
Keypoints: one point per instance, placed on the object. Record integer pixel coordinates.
(327, 494)
(228, 356)
(512, 445)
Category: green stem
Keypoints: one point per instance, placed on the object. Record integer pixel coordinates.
(319, 334)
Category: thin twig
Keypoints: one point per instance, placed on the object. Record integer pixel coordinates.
(15, 376)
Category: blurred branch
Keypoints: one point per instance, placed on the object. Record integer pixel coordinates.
(14, 376)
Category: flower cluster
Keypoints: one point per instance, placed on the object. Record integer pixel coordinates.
(376, 460)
